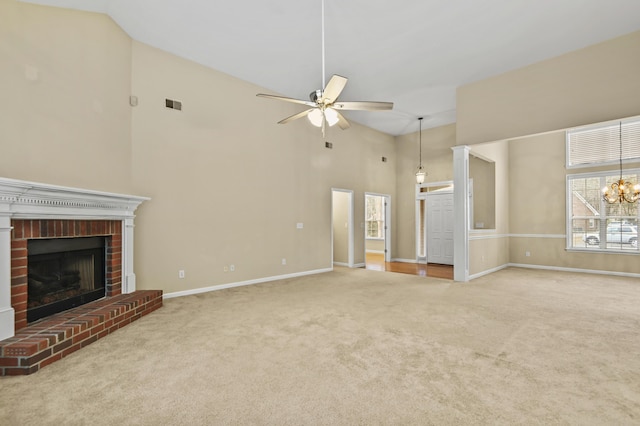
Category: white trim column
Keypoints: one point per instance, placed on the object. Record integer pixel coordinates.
(461, 213)
(128, 276)
(7, 313)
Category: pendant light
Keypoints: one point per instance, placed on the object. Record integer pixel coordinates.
(420, 174)
(621, 191)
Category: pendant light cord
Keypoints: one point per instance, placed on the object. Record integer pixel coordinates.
(420, 121)
(323, 76)
(621, 150)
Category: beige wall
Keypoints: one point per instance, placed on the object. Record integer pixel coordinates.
(483, 174)
(538, 209)
(489, 249)
(65, 117)
(374, 245)
(437, 159)
(594, 84)
(340, 205)
(228, 185)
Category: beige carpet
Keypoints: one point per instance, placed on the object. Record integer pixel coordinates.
(359, 347)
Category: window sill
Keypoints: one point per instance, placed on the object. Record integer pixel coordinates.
(601, 251)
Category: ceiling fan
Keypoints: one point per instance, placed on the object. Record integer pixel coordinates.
(324, 107)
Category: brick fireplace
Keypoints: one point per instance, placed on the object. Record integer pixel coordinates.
(30, 229)
(33, 211)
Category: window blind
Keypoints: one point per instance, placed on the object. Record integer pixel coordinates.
(600, 145)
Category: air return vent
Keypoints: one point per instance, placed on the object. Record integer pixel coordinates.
(170, 103)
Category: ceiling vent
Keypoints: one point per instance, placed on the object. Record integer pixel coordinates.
(170, 103)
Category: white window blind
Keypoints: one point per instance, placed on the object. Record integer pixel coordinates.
(600, 145)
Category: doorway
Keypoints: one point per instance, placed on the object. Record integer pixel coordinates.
(342, 227)
(434, 226)
(377, 232)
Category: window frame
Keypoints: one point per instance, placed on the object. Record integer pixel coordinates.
(602, 218)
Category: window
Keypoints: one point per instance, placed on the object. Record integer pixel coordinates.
(593, 223)
(374, 216)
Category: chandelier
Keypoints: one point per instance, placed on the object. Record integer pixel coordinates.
(621, 191)
(420, 174)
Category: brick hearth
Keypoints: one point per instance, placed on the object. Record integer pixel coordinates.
(59, 335)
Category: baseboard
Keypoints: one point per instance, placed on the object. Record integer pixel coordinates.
(360, 265)
(488, 271)
(404, 260)
(243, 283)
(375, 251)
(584, 271)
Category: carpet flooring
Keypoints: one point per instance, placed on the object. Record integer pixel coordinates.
(359, 347)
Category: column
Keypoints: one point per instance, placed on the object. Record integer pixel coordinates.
(128, 277)
(461, 213)
(7, 314)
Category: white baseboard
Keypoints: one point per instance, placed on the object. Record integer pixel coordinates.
(584, 271)
(375, 251)
(346, 265)
(404, 260)
(488, 271)
(360, 265)
(242, 283)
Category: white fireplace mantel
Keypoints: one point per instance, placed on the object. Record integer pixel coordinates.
(30, 200)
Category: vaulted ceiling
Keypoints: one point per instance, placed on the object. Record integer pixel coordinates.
(414, 53)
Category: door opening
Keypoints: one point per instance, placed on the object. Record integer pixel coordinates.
(377, 236)
(342, 227)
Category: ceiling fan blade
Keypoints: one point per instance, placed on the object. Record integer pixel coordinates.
(283, 98)
(296, 116)
(342, 122)
(333, 89)
(364, 106)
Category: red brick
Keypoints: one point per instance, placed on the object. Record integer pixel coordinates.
(27, 362)
(9, 362)
(19, 262)
(70, 350)
(18, 229)
(18, 298)
(97, 329)
(80, 337)
(51, 360)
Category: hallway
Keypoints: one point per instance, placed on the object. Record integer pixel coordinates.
(375, 262)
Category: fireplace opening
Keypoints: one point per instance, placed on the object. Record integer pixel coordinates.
(64, 273)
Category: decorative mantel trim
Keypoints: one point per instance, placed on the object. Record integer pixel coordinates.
(30, 200)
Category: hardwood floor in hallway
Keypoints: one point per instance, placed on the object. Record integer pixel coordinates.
(375, 262)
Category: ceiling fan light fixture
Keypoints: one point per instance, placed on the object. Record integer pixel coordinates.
(331, 115)
(315, 117)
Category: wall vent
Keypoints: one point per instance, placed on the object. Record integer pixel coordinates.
(170, 103)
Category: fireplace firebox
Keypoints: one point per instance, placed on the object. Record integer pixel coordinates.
(64, 273)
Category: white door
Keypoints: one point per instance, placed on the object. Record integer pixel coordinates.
(440, 228)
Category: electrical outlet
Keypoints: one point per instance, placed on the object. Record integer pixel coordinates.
(232, 268)
(299, 225)
(181, 273)
(527, 253)
(284, 261)
(225, 269)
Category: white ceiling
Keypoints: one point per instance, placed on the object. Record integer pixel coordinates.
(414, 53)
